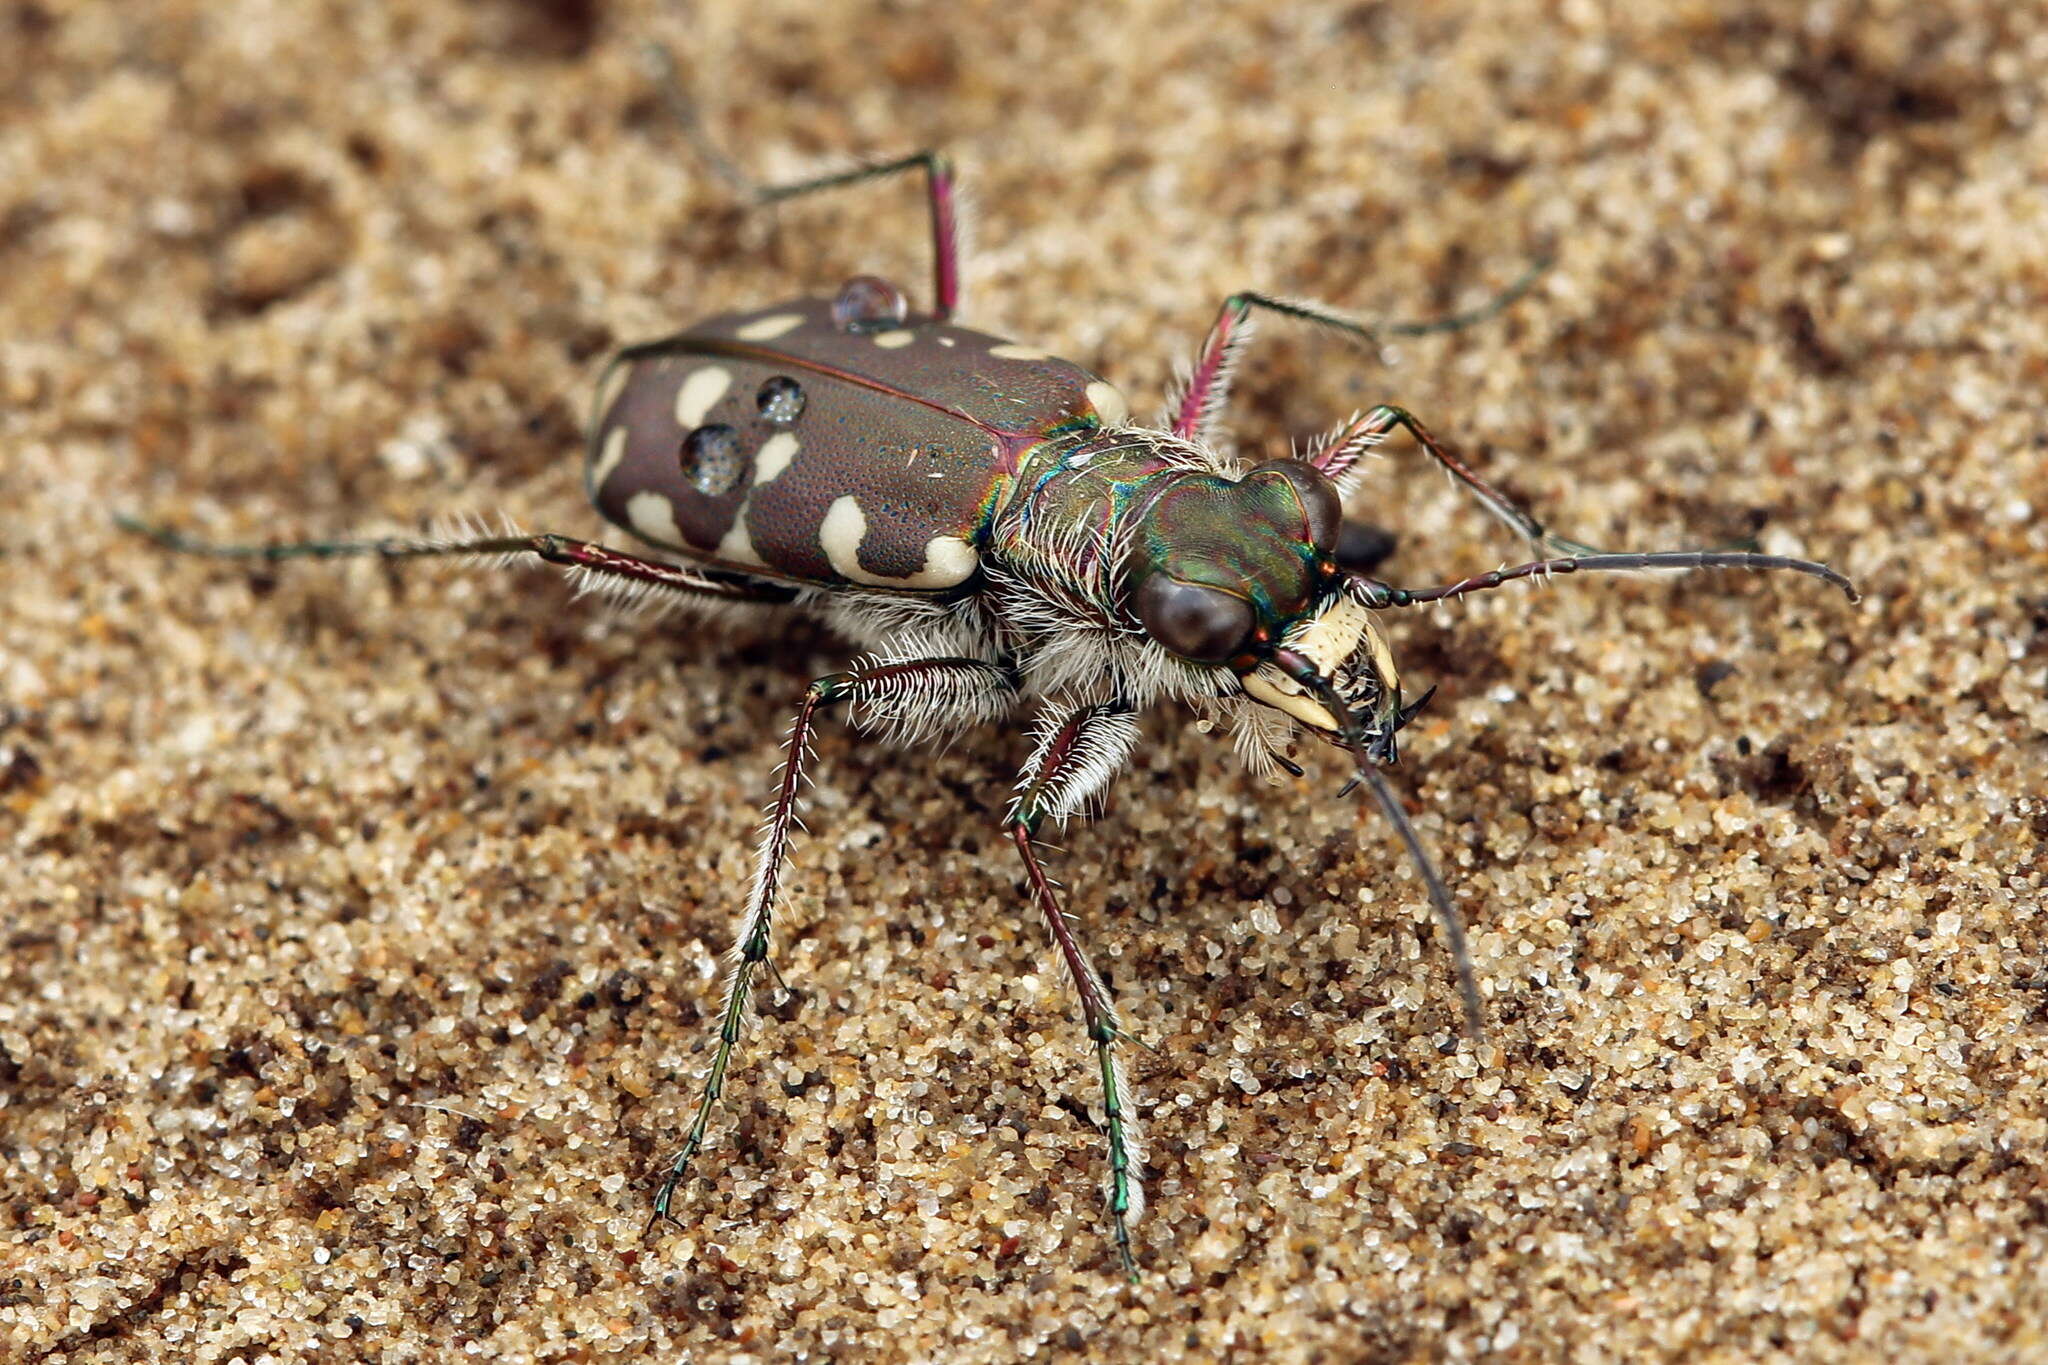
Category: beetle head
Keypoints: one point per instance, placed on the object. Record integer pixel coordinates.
(1245, 574)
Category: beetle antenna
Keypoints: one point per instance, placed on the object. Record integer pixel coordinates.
(1378, 594)
(1355, 738)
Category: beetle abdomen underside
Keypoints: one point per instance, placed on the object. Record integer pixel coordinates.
(775, 442)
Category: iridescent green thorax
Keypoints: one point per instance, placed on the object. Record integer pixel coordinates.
(1249, 537)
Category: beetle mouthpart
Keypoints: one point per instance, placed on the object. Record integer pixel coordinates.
(1339, 632)
(1341, 646)
(1269, 686)
(1393, 719)
(1314, 691)
(1413, 709)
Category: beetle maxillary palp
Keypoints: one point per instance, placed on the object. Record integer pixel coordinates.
(1354, 735)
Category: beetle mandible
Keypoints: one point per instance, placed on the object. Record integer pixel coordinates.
(987, 525)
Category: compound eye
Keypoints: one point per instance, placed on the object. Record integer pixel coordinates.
(1322, 509)
(1206, 625)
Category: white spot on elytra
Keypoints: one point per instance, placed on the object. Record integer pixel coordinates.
(699, 394)
(889, 341)
(948, 560)
(1112, 406)
(736, 546)
(608, 456)
(770, 327)
(841, 533)
(1011, 351)
(947, 341)
(654, 518)
(774, 457)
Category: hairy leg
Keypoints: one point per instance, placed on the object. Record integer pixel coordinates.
(1208, 387)
(964, 690)
(596, 566)
(1340, 453)
(1075, 759)
(938, 179)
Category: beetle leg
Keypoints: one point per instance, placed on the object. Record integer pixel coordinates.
(1341, 452)
(1208, 386)
(595, 566)
(662, 63)
(939, 190)
(1208, 389)
(1075, 759)
(953, 685)
(938, 177)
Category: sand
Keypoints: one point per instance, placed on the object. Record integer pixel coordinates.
(361, 922)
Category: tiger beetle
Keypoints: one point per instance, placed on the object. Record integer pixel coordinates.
(985, 522)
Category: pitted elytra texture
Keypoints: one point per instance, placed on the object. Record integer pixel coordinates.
(925, 471)
(954, 378)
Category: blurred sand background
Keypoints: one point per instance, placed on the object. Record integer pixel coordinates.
(359, 923)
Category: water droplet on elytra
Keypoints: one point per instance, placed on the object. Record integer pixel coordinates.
(868, 304)
(781, 400)
(711, 459)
